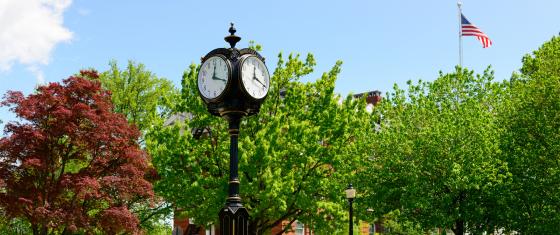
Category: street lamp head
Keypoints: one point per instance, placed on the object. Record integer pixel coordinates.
(350, 192)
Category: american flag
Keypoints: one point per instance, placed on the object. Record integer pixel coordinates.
(468, 29)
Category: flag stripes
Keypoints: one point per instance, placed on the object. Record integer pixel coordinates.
(469, 29)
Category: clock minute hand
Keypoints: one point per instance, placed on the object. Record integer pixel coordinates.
(255, 77)
(259, 82)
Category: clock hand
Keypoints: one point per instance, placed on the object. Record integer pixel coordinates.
(260, 82)
(217, 78)
(255, 77)
(214, 77)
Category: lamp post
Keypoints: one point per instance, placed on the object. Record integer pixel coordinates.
(233, 83)
(350, 195)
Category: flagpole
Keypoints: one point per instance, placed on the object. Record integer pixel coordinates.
(460, 36)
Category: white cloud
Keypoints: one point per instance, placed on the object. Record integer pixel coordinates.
(29, 30)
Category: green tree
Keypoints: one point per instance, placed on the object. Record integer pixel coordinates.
(435, 154)
(531, 144)
(139, 94)
(296, 156)
(145, 100)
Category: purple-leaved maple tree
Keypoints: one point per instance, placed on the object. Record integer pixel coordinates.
(71, 165)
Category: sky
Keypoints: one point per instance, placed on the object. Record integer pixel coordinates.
(380, 42)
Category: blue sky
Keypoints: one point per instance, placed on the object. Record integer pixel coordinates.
(380, 42)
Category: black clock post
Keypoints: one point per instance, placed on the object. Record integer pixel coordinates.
(230, 92)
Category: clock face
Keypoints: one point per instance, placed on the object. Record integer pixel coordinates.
(255, 78)
(213, 77)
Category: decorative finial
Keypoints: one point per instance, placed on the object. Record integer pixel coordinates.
(232, 29)
(232, 39)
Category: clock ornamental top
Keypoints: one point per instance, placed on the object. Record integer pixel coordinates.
(232, 39)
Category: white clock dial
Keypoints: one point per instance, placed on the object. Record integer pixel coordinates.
(255, 77)
(213, 77)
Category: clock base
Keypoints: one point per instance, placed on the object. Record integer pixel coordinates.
(234, 220)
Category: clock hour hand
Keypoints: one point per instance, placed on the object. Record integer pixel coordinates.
(214, 77)
(217, 78)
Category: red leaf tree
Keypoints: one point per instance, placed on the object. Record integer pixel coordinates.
(71, 164)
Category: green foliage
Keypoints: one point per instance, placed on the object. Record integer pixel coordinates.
(394, 224)
(15, 226)
(152, 216)
(531, 144)
(256, 47)
(435, 156)
(159, 228)
(296, 156)
(139, 94)
(545, 62)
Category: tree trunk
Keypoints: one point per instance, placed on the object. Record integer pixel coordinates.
(252, 229)
(459, 227)
(39, 230)
(35, 229)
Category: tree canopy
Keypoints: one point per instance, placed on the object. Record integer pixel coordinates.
(296, 156)
(462, 152)
(434, 156)
(469, 154)
(531, 144)
(72, 164)
(141, 96)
